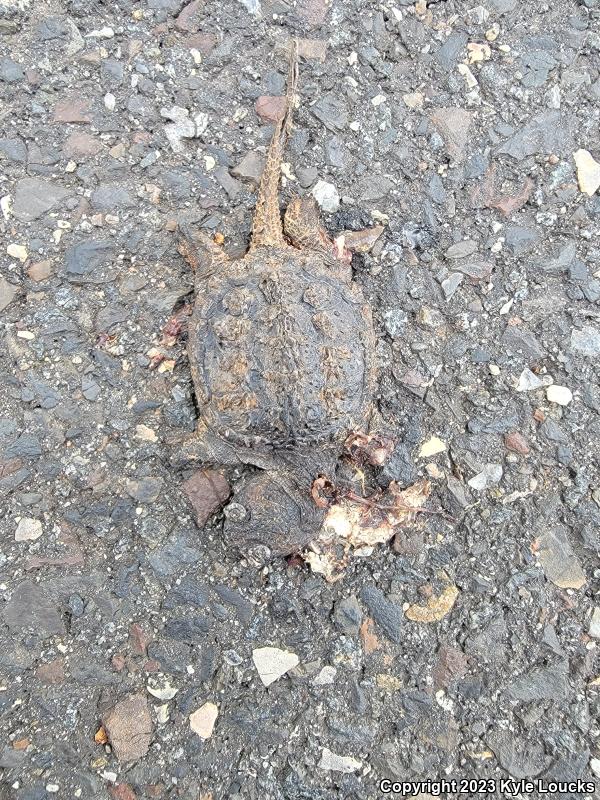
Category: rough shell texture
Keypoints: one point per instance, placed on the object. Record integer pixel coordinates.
(281, 347)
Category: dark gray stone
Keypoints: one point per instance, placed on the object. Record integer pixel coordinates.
(387, 615)
(521, 758)
(347, 615)
(521, 239)
(188, 592)
(35, 197)
(52, 28)
(110, 197)
(26, 445)
(31, 608)
(549, 682)
(10, 71)
(548, 132)
(14, 150)
(83, 259)
(231, 186)
(187, 629)
(520, 342)
(244, 609)
(448, 54)
(173, 556)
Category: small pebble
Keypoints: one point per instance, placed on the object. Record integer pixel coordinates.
(271, 663)
(560, 395)
(28, 529)
(326, 196)
(202, 721)
(17, 251)
(432, 447)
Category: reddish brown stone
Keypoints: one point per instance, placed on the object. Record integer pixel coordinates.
(486, 194)
(129, 728)
(203, 42)
(364, 240)
(190, 17)
(21, 744)
(451, 665)
(370, 642)
(34, 78)
(80, 145)
(141, 137)
(118, 662)
(152, 665)
(313, 12)
(517, 443)
(40, 271)
(73, 110)
(154, 789)
(72, 556)
(9, 467)
(270, 108)
(139, 639)
(122, 791)
(513, 202)
(52, 673)
(206, 490)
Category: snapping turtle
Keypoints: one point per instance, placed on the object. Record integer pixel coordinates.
(281, 348)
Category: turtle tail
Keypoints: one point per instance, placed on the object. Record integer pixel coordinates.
(267, 230)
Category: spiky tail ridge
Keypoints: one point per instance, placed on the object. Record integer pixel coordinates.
(267, 230)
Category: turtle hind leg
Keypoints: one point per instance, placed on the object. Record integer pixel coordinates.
(302, 224)
(202, 253)
(205, 447)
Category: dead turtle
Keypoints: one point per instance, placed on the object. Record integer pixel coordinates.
(281, 349)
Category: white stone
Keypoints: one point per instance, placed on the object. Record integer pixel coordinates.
(560, 395)
(110, 101)
(595, 766)
(326, 676)
(432, 447)
(528, 381)
(162, 690)
(252, 6)
(101, 33)
(413, 99)
(588, 172)
(594, 629)
(334, 763)
(28, 529)
(145, 433)
(271, 663)
(326, 196)
(202, 721)
(489, 475)
(17, 251)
